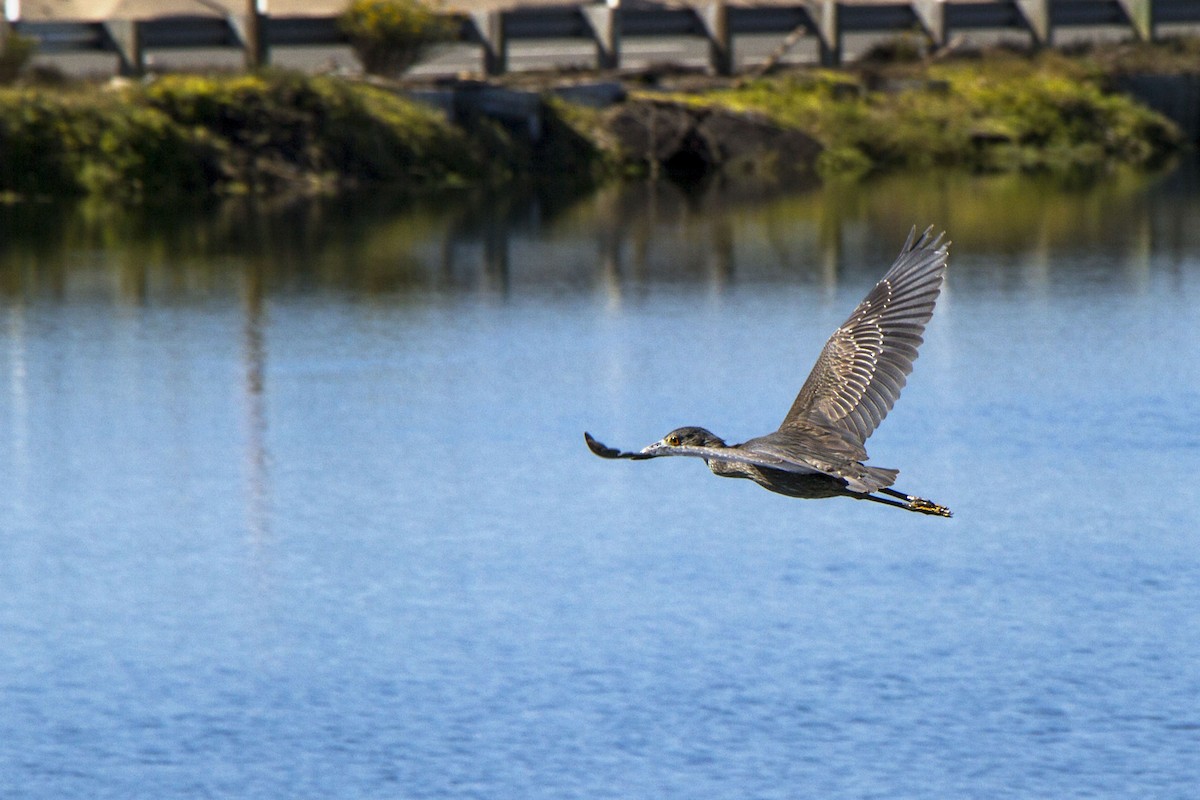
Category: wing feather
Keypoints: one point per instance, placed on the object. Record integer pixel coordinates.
(864, 365)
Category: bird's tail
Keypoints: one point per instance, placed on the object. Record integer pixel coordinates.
(865, 479)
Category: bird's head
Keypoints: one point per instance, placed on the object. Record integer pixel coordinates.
(683, 437)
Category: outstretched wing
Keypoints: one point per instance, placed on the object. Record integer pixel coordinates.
(865, 364)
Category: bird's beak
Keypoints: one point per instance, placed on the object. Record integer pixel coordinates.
(655, 449)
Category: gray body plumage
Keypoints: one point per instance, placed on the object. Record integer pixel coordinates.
(819, 448)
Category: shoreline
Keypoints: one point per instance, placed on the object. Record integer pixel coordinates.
(186, 135)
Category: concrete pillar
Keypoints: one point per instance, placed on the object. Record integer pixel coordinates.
(1141, 17)
(126, 36)
(715, 18)
(251, 29)
(932, 14)
(12, 13)
(605, 22)
(489, 27)
(1037, 17)
(824, 14)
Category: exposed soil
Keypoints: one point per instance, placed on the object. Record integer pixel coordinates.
(687, 141)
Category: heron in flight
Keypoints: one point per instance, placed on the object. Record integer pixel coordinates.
(819, 449)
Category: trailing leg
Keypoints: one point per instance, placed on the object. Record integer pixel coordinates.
(918, 504)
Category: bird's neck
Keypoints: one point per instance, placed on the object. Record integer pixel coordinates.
(728, 469)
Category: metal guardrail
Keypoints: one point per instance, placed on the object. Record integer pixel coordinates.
(717, 22)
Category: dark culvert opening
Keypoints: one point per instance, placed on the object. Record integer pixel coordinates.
(691, 162)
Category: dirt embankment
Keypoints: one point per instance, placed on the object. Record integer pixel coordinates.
(690, 141)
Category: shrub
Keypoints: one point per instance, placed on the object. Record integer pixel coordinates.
(390, 36)
(1001, 113)
(15, 54)
(280, 126)
(65, 144)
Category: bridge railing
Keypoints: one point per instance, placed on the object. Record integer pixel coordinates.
(718, 22)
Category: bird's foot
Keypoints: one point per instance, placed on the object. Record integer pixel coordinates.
(924, 506)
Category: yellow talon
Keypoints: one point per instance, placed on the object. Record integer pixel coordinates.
(928, 507)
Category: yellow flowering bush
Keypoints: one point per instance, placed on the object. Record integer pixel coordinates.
(390, 36)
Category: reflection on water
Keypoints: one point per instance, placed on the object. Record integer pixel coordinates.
(615, 240)
(256, 418)
(294, 502)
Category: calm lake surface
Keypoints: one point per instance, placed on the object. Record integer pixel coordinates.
(295, 502)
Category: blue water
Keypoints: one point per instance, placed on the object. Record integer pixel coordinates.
(322, 524)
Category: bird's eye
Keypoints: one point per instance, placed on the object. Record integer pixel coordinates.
(673, 440)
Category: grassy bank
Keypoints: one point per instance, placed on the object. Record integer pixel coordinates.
(1002, 112)
(270, 133)
(188, 136)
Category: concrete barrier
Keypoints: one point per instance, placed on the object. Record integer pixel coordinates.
(718, 22)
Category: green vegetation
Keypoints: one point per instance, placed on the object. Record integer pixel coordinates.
(1175, 55)
(16, 51)
(181, 136)
(189, 136)
(1004, 112)
(57, 144)
(278, 128)
(389, 36)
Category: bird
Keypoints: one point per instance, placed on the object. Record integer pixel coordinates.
(820, 448)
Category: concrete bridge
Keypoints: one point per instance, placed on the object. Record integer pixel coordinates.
(128, 29)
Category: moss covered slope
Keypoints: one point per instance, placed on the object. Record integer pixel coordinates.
(192, 136)
(999, 113)
(184, 135)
